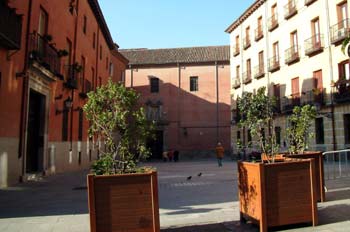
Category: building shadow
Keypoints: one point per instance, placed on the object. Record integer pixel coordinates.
(236, 226)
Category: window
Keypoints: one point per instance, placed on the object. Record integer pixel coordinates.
(68, 60)
(317, 75)
(342, 12)
(343, 69)
(100, 81)
(278, 135)
(83, 67)
(94, 40)
(294, 41)
(295, 91)
(260, 25)
(93, 78)
(193, 84)
(237, 71)
(84, 24)
(80, 129)
(43, 22)
(275, 51)
(315, 31)
(319, 131)
(111, 69)
(237, 43)
(261, 60)
(154, 85)
(249, 67)
(65, 124)
(347, 128)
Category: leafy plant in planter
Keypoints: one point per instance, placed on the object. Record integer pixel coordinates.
(118, 188)
(257, 114)
(298, 130)
(116, 118)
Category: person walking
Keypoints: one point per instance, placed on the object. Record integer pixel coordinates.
(219, 153)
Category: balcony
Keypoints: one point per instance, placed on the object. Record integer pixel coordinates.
(247, 77)
(10, 27)
(273, 22)
(246, 42)
(342, 93)
(72, 77)
(259, 71)
(309, 2)
(290, 9)
(288, 104)
(313, 97)
(44, 54)
(340, 31)
(236, 50)
(314, 44)
(274, 64)
(292, 55)
(259, 34)
(236, 83)
(86, 87)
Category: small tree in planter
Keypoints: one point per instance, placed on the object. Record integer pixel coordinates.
(267, 190)
(257, 114)
(117, 120)
(298, 136)
(298, 129)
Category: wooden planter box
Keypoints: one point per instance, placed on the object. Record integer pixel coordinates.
(277, 194)
(127, 202)
(319, 171)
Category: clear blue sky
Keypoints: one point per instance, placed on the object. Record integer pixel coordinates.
(171, 23)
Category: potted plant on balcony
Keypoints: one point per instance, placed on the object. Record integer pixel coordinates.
(273, 193)
(122, 195)
(298, 135)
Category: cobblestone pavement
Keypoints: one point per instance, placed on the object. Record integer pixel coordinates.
(205, 202)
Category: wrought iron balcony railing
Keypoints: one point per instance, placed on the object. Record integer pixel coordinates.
(274, 64)
(236, 83)
(314, 44)
(309, 2)
(236, 50)
(259, 71)
(259, 34)
(340, 31)
(292, 54)
(44, 53)
(342, 93)
(273, 22)
(247, 77)
(313, 97)
(10, 27)
(290, 9)
(288, 104)
(86, 87)
(72, 76)
(246, 42)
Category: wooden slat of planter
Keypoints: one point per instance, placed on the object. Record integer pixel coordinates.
(155, 202)
(91, 202)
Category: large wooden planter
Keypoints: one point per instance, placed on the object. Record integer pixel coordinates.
(319, 171)
(127, 202)
(277, 194)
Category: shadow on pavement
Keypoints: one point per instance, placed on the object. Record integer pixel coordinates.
(334, 213)
(61, 194)
(338, 195)
(217, 227)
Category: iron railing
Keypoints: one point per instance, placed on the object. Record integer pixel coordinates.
(44, 53)
(10, 27)
(314, 44)
(259, 71)
(274, 63)
(273, 22)
(340, 31)
(342, 93)
(259, 33)
(246, 42)
(292, 54)
(247, 77)
(290, 9)
(313, 97)
(236, 83)
(288, 104)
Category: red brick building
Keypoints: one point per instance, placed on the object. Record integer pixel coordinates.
(51, 54)
(187, 92)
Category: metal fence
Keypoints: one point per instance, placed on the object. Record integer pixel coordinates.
(336, 164)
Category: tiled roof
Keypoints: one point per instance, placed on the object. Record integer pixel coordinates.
(177, 55)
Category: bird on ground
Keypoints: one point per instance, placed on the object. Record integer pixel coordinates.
(189, 178)
(199, 174)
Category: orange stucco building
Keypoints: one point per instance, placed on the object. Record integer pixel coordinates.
(186, 91)
(51, 54)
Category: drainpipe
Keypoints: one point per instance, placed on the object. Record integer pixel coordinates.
(72, 91)
(332, 78)
(23, 122)
(217, 101)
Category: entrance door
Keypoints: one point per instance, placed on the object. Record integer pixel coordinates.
(36, 131)
(156, 145)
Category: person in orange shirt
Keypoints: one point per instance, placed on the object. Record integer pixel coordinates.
(219, 153)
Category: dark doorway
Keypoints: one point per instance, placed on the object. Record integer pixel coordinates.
(36, 131)
(156, 145)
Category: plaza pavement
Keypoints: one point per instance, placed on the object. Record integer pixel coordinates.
(207, 202)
